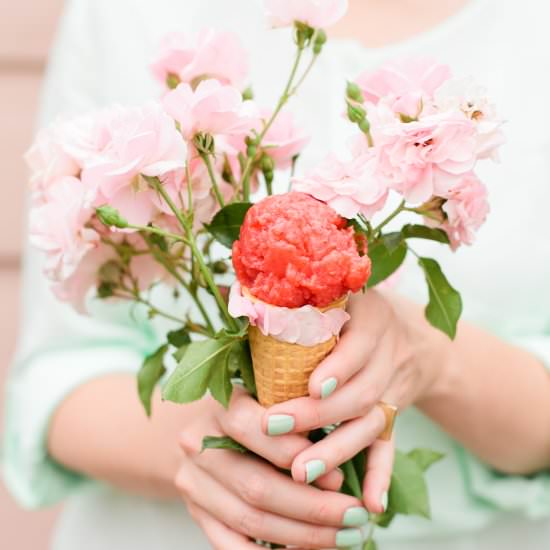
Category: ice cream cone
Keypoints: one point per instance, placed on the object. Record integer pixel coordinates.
(282, 369)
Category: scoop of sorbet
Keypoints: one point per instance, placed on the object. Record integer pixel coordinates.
(294, 250)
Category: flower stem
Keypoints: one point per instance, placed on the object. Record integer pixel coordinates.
(219, 197)
(385, 222)
(245, 180)
(352, 479)
(230, 322)
(158, 231)
(158, 255)
(137, 298)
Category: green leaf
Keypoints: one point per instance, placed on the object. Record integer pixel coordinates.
(214, 442)
(220, 381)
(240, 364)
(178, 338)
(424, 458)
(445, 304)
(408, 492)
(370, 545)
(148, 376)
(180, 352)
(387, 254)
(190, 379)
(415, 231)
(226, 224)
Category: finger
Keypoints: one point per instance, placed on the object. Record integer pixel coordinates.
(252, 522)
(339, 446)
(219, 535)
(264, 488)
(331, 481)
(354, 348)
(243, 421)
(378, 477)
(353, 400)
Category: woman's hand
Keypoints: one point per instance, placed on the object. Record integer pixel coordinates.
(387, 352)
(236, 497)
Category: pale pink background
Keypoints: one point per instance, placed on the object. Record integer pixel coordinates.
(26, 30)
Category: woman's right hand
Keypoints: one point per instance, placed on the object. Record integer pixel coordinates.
(236, 497)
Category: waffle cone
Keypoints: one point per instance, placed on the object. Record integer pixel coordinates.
(282, 369)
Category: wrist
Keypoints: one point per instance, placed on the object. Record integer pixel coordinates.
(426, 350)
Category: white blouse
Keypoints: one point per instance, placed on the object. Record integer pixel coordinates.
(100, 57)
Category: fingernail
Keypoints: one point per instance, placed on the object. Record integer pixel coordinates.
(328, 386)
(384, 500)
(278, 424)
(355, 517)
(314, 469)
(348, 537)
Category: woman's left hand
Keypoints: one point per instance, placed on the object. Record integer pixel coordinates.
(387, 352)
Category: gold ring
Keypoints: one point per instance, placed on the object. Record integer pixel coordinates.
(390, 412)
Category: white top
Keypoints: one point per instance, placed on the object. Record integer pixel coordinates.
(100, 57)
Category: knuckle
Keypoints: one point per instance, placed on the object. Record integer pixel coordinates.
(251, 522)
(321, 513)
(367, 399)
(184, 483)
(314, 538)
(254, 489)
(237, 424)
(189, 443)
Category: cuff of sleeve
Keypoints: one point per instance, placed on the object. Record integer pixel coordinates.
(34, 392)
(527, 495)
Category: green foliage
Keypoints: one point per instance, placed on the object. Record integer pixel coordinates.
(215, 442)
(370, 545)
(178, 338)
(150, 373)
(190, 379)
(408, 492)
(208, 364)
(445, 304)
(416, 231)
(110, 217)
(424, 458)
(387, 253)
(226, 224)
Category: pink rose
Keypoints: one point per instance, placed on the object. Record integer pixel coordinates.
(425, 157)
(466, 209)
(214, 109)
(134, 141)
(350, 188)
(318, 14)
(59, 227)
(464, 96)
(284, 140)
(406, 86)
(210, 54)
(58, 151)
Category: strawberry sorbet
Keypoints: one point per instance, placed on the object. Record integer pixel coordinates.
(295, 250)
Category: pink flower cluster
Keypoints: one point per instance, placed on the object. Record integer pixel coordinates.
(104, 158)
(427, 133)
(210, 54)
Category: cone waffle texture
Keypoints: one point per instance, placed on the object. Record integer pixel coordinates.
(282, 369)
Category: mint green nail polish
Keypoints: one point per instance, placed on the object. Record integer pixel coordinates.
(278, 424)
(348, 537)
(384, 500)
(328, 386)
(314, 469)
(355, 517)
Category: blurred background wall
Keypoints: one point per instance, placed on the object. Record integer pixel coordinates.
(26, 31)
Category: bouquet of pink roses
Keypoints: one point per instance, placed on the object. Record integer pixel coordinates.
(129, 197)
